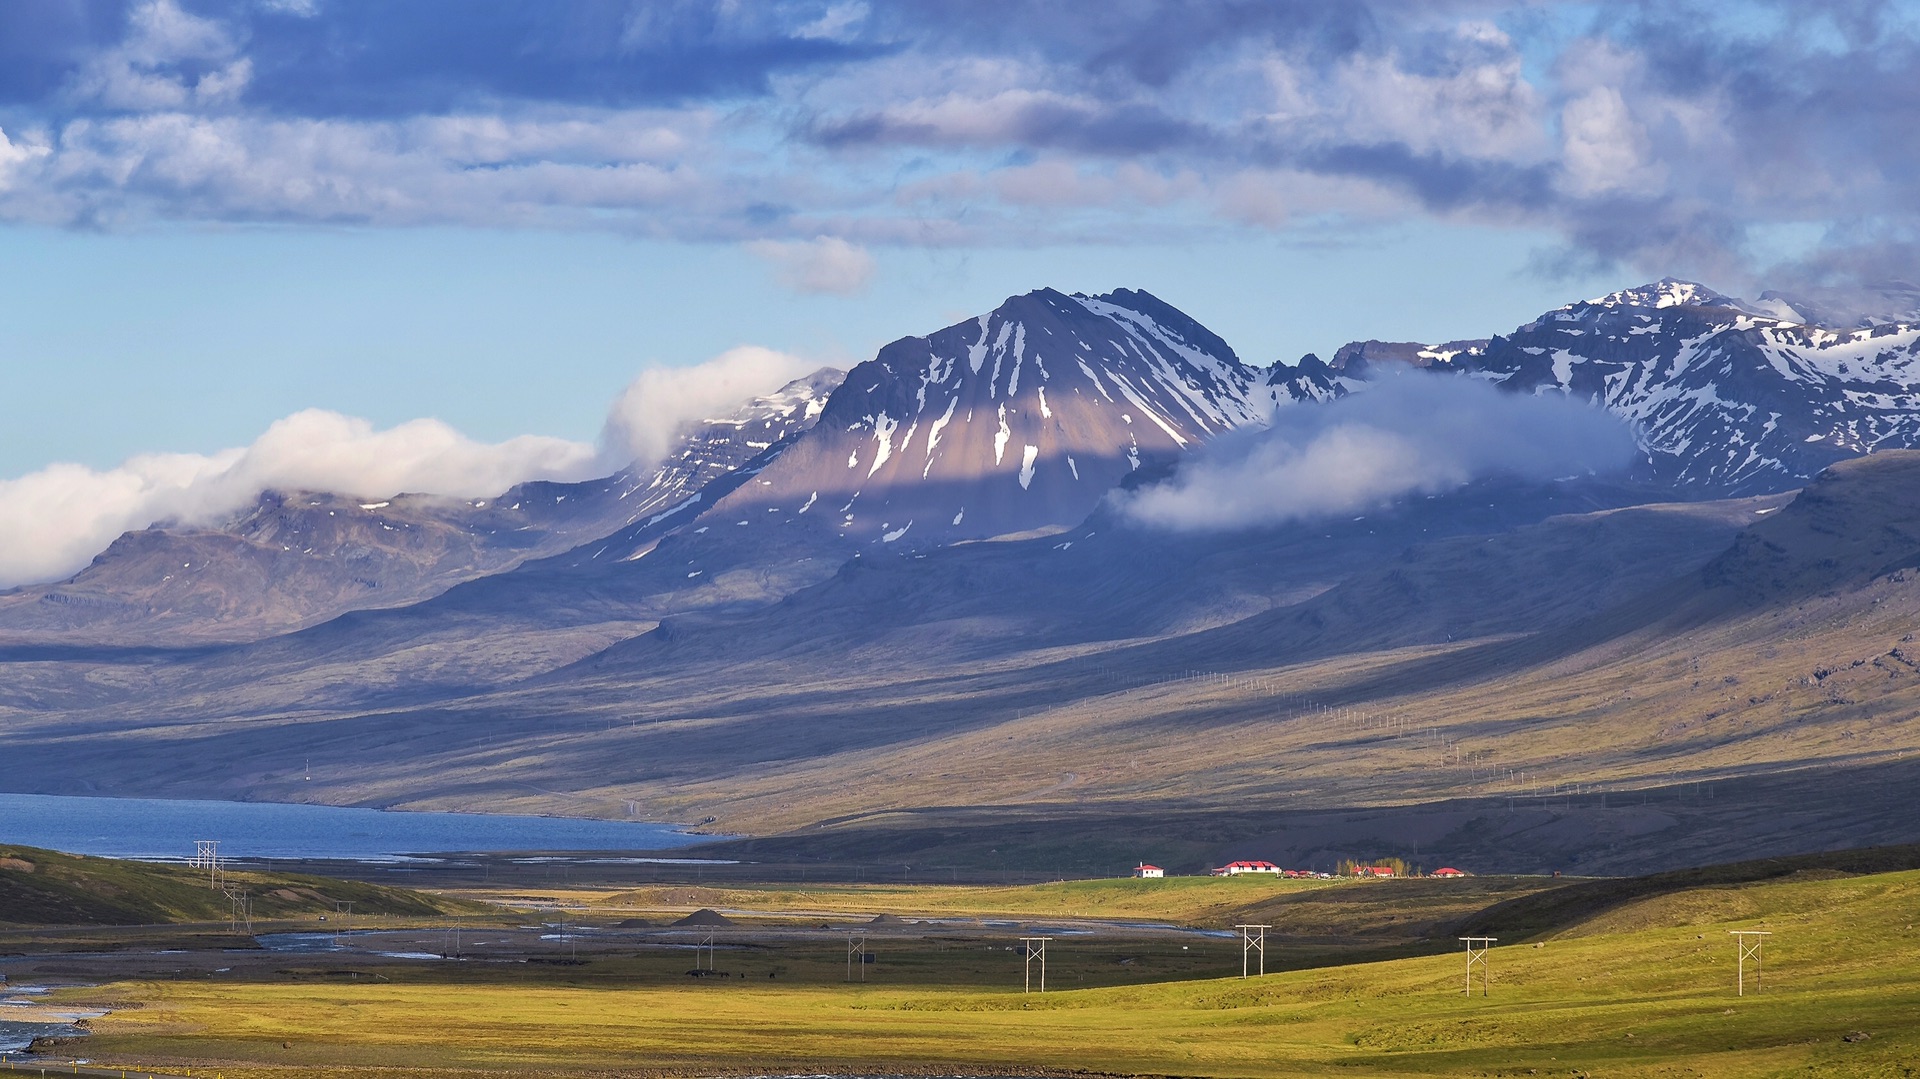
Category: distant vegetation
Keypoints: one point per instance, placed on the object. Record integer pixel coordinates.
(44, 887)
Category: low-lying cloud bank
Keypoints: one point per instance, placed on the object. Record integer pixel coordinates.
(644, 418)
(52, 522)
(1407, 434)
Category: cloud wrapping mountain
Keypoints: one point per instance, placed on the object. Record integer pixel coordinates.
(1408, 434)
(54, 520)
(645, 417)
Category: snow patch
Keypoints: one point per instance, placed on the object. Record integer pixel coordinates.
(933, 433)
(889, 537)
(1026, 465)
(977, 352)
(884, 425)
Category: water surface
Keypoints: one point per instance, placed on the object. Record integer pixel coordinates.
(167, 828)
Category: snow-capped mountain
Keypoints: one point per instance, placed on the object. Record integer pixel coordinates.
(1725, 399)
(1844, 309)
(1018, 420)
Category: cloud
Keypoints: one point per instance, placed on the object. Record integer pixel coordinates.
(1407, 434)
(1673, 138)
(659, 404)
(825, 264)
(52, 522)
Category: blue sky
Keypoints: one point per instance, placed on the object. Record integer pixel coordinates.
(194, 340)
(215, 214)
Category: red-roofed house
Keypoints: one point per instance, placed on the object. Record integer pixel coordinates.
(1144, 871)
(1373, 870)
(1234, 869)
(1448, 871)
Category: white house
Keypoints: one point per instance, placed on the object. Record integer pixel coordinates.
(1234, 869)
(1143, 871)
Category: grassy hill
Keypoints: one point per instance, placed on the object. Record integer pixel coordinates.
(44, 887)
(1644, 988)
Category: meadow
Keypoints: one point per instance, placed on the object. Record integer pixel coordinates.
(1643, 988)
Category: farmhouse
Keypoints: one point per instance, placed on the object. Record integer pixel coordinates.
(1373, 871)
(1144, 871)
(1448, 871)
(1234, 869)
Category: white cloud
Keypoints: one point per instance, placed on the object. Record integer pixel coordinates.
(1604, 148)
(1471, 99)
(139, 72)
(52, 522)
(1407, 434)
(837, 23)
(55, 520)
(14, 155)
(826, 264)
(661, 402)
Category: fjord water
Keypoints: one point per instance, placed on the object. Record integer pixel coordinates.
(167, 828)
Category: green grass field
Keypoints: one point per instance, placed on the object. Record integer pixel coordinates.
(1186, 900)
(1645, 988)
(43, 887)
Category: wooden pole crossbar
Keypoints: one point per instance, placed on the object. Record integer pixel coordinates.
(1036, 949)
(1477, 948)
(857, 953)
(1747, 942)
(1253, 938)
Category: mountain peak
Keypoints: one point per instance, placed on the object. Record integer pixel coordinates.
(1020, 419)
(1666, 292)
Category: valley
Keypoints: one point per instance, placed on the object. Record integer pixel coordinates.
(1564, 657)
(1625, 976)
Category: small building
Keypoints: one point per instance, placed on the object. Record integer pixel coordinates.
(1234, 869)
(1373, 871)
(1448, 871)
(1146, 872)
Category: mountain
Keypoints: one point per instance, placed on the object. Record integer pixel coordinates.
(802, 629)
(297, 558)
(1845, 309)
(1724, 400)
(1017, 421)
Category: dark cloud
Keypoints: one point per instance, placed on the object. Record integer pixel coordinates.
(374, 58)
(1770, 142)
(1040, 123)
(1437, 180)
(43, 42)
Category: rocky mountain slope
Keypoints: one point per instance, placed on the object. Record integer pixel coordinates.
(1726, 399)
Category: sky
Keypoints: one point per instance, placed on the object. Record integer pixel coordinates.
(216, 215)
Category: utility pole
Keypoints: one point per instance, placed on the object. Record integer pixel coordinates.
(1253, 938)
(1036, 949)
(1747, 942)
(1477, 948)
